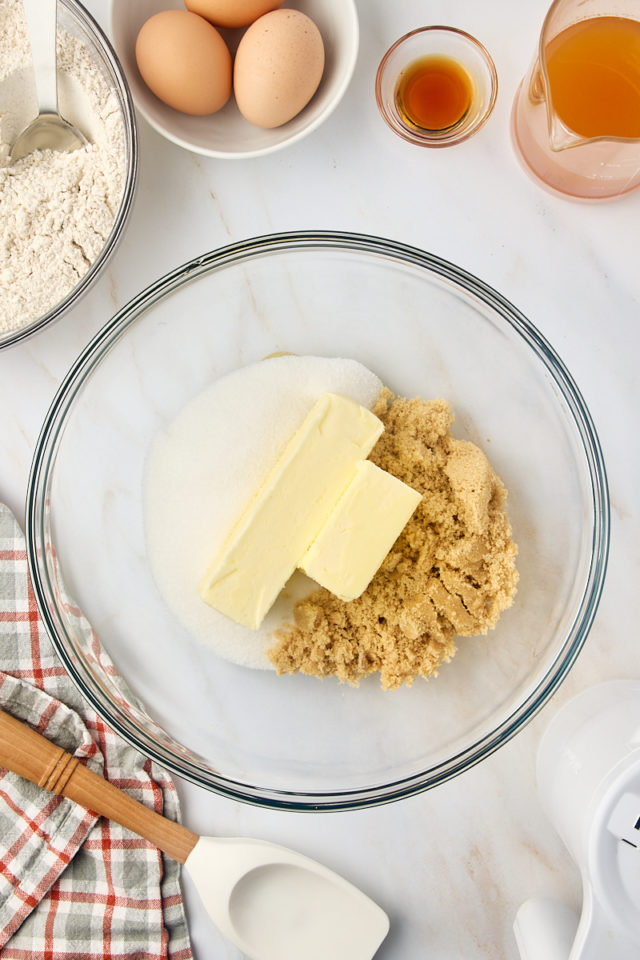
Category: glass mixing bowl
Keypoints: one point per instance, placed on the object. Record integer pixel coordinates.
(78, 23)
(426, 328)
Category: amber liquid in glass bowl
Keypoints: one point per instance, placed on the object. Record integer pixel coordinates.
(434, 93)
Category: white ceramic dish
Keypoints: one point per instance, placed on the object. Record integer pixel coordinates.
(226, 134)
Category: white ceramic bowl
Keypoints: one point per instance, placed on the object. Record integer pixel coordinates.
(226, 134)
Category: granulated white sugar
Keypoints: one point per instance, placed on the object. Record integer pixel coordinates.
(203, 469)
(56, 209)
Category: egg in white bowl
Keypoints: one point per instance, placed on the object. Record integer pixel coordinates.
(226, 133)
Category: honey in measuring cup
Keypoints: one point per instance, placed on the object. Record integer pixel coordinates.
(434, 93)
(576, 117)
(593, 68)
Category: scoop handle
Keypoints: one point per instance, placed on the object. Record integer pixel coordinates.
(32, 756)
(41, 19)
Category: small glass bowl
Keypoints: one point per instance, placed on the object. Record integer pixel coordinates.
(461, 47)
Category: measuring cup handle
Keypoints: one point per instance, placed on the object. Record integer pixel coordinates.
(596, 937)
(536, 84)
(545, 929)
(41, 27)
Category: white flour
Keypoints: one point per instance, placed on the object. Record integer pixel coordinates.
(56, 209)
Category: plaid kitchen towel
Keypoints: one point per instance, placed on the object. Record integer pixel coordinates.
(73, 885)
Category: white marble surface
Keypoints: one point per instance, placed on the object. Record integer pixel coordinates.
(450, 866)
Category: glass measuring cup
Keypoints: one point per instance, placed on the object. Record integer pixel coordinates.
(575, 122)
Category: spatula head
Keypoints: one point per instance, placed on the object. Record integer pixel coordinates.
(276, 904)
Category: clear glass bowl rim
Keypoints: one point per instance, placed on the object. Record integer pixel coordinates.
(84, 18)
(44, 458)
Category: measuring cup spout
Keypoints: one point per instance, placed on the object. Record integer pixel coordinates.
(560, 136)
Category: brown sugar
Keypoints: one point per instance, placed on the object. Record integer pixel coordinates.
(451, 572)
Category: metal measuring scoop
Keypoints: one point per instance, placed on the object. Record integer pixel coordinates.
(49, 130)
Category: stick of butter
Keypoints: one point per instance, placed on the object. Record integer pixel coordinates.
(366, 522)
(289, 510)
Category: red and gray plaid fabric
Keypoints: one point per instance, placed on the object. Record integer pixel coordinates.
(72, 885)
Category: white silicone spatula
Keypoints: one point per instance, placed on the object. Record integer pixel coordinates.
(273, 903)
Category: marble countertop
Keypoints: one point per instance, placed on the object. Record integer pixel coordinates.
(450, 866)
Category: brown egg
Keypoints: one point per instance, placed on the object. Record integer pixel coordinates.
(185, 62)
(278, 67)
(232, 13)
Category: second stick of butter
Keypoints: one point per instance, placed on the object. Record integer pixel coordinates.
(366, 522)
